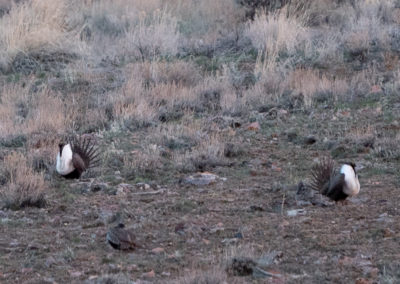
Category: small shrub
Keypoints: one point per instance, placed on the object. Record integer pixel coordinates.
(276, 33)
(24, 187)
(153, 36)
(388, 149)
(33, 26)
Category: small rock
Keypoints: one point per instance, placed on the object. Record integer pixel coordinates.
(5, 220)
(309, 140)
(158, 250)
(150, 274)
(254, 208)
(180, 228)
(363, 281)
(75, 273)
(143, 186)
(255, 126)
(282, 112)
(238, 235)
(388, 233)
(376, 89)
(230, 241)
(273, 257)
(276, 168)
(205, 178)
(296, 212)
(284, 223)
(27, 270)
(385, 218)
(50, 261)
(3, 214)
(102, 186)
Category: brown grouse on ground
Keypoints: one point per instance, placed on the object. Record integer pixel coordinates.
(121, 238)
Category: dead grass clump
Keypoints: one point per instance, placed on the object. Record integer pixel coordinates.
(143, 163)
(190, 145)
(363, 136)
(154, 35)
(180, 73)
(275, 34)
(315, 87)
(34, 26)
(387, 148)
(217, 93)
(208, 154)
(23, 112)
(369, 25)
(119, 278)
(205, 21)
(178, 137)
(213, 276)
(24, 187)
(130, 106)
(270, 85)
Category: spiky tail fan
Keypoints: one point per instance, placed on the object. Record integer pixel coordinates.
(321, 174)
(86, 149)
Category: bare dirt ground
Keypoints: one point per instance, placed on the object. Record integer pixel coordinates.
(186, 228)
(253, 91)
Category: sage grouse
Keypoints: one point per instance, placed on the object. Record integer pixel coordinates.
(121, 238)
(76, 157)
(335, 185)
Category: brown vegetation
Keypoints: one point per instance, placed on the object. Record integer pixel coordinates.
(23, 187)
(252, 90)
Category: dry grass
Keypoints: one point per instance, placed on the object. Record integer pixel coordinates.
(214, 276)
(368, 25)
(141, 163)
(154, 35)
(34, 26)
(205, 21)
(24, 187)
(387, 148)
(275, 33)
(24, 112)
(311, 84)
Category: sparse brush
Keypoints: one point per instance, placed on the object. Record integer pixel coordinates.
(119, 278)
(33, 26)
(23, 187)
(321, 173)
(388, 149)
(203, 277)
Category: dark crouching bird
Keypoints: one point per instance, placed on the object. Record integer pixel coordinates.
(121, 238)
(75, 157)
(335, 185)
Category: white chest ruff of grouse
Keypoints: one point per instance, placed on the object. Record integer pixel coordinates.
(351, 185)
(76, 157)
(64, 160)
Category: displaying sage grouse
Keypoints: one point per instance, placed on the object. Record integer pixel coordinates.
(75, 157)
(121, 238)
(335, 185)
